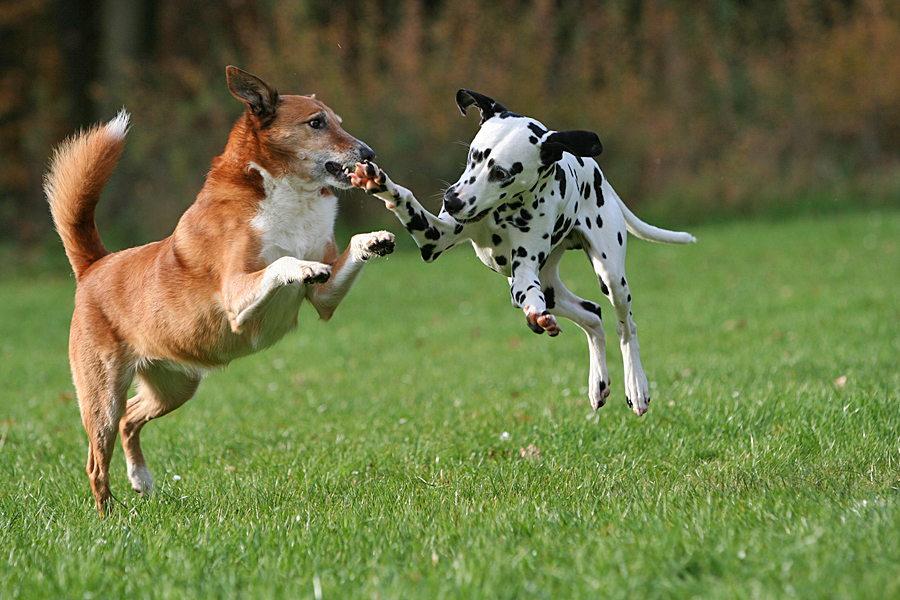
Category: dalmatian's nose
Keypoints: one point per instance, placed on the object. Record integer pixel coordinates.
(452, 203)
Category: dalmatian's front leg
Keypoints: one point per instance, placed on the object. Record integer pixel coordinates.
(525, 289)
(433, 235)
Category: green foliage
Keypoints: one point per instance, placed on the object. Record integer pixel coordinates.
(705, 109)
(425, 444)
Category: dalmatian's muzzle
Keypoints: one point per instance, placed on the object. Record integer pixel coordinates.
(454, 206)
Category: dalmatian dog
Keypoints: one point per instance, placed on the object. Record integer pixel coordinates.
(526, 196)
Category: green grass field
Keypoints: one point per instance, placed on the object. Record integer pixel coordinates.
(425, 444)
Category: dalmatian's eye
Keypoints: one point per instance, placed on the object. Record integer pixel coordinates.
(498, 174)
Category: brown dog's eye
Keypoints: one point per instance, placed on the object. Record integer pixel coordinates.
(316, 124)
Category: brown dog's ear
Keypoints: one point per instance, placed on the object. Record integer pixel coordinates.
(579, 143)
(259, 96)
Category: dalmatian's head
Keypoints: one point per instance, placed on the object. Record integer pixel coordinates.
(508, 156)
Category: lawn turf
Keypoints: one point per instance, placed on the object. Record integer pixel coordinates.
(426, 444)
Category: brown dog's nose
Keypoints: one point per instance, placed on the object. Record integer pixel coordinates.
(366, 154)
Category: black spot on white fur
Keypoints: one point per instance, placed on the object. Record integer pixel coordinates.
(561, 178)
(537, 130)
(598, 187)
(603, 288)
(591, 308)
(550, 298)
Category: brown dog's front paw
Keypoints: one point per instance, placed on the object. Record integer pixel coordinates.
(378, 243)
(382, 246)
(318, 274)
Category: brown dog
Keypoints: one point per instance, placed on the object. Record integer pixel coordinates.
(228, 282)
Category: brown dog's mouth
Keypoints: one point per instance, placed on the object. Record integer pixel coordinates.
(338, 171)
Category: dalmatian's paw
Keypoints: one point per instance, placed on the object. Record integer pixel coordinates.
(541, 322)
(377, 243)
(639, 408)
(637, 396)
(369, 178)
(599, 395)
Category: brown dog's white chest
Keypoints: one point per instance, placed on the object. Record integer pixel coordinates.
(295, 218)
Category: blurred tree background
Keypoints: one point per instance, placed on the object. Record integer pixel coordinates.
(706, 109)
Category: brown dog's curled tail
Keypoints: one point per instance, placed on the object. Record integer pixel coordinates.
(80, 168)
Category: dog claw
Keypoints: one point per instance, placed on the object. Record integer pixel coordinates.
(638, 411)
(317, 278)
(381, 247)
(311, 276)
(369, 178)
(547, 322)
(379, 243)
(534, 326)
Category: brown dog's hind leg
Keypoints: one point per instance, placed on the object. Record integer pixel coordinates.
(160, 391)
(100, 448)
(102, 386)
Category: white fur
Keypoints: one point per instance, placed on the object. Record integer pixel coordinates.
(140, 478)
(147, 363)
(118, 127)
(295, 219)
(280, 294)
(295, 222)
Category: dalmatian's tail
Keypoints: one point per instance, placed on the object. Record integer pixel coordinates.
(651, 233)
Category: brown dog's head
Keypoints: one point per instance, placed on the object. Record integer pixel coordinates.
(298, 135)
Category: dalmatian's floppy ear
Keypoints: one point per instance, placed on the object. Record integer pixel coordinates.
(261, 98)
(579, 143)
(487, 106)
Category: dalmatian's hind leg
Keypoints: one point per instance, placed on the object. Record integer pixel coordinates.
(609, 265)
(585, 314)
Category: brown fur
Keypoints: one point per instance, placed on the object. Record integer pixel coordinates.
(214, 290)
